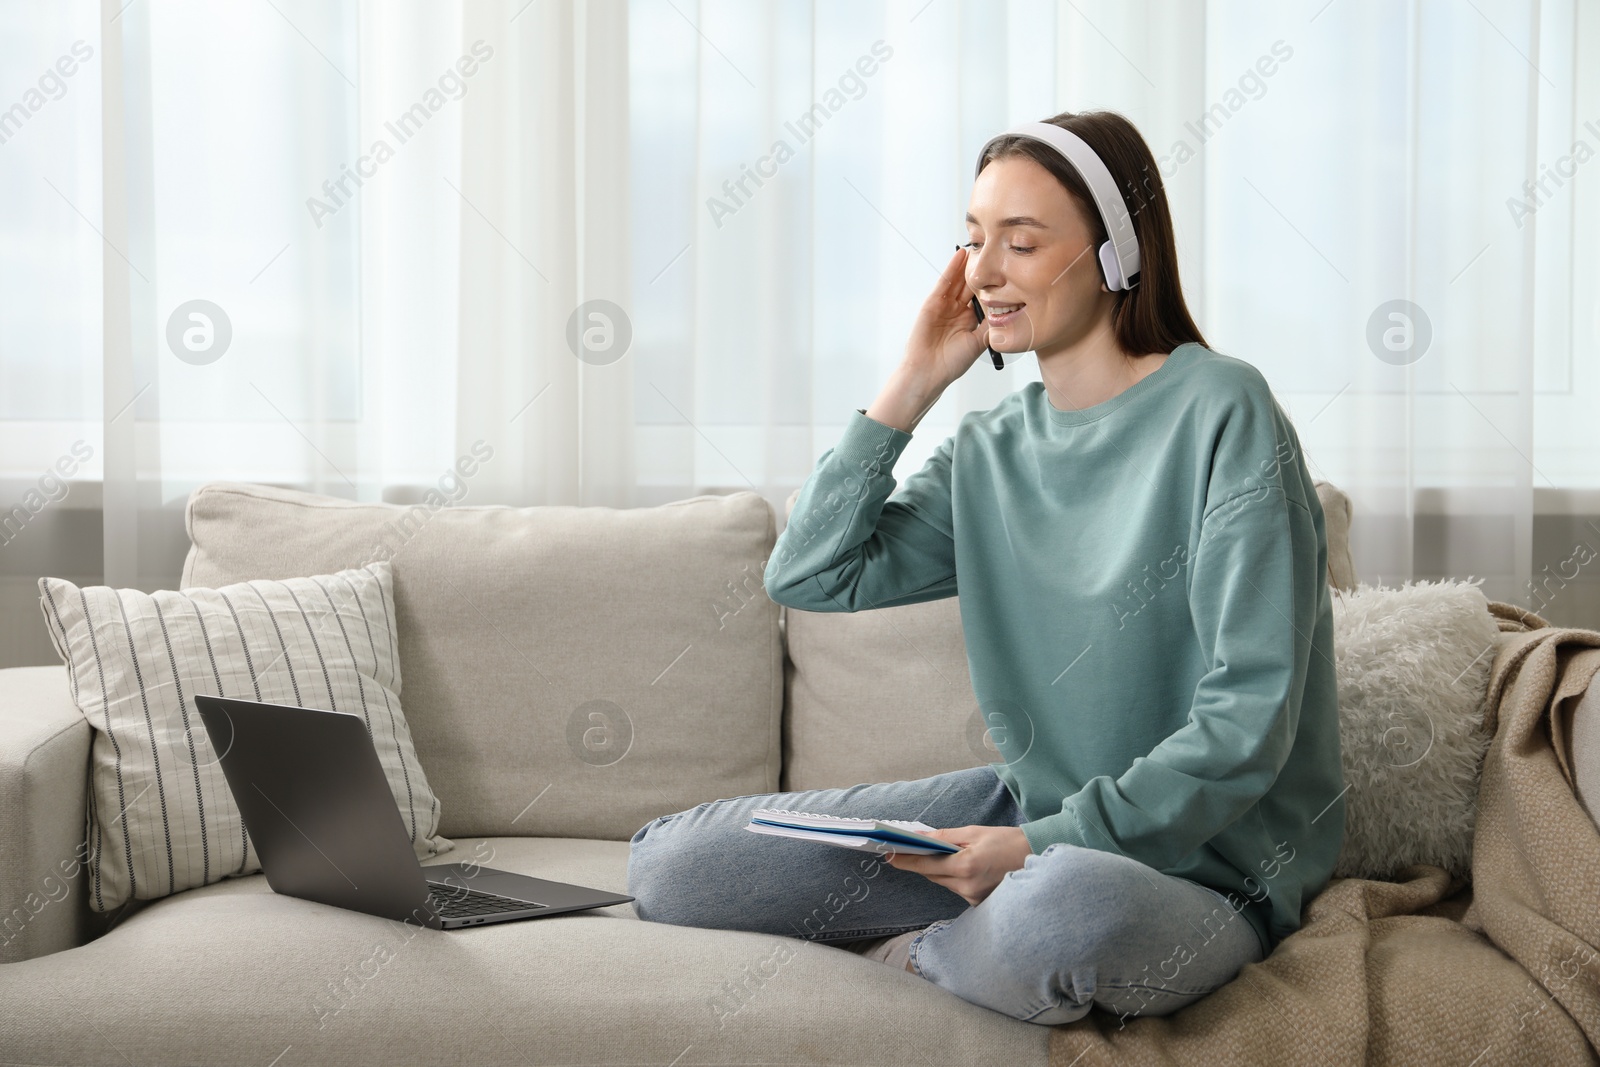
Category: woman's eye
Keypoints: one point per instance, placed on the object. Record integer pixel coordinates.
(975, 245)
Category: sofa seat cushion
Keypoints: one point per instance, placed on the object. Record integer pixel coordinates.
(233, 973)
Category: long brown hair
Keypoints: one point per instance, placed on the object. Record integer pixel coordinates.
(1152, 316)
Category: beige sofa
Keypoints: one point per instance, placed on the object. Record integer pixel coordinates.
(514, 625)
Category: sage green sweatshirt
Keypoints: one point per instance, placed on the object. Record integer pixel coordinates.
(1148, 622)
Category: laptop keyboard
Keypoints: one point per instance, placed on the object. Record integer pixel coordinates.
(454, 902)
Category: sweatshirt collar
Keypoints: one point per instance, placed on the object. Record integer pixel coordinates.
(1151, 382)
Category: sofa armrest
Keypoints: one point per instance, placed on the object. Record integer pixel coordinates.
(44, 767)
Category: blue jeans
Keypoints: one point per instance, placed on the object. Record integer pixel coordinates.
(1073, 928)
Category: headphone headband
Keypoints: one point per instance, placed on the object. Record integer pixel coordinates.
(1119, 256)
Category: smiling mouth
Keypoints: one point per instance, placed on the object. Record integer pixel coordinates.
(1002, 318)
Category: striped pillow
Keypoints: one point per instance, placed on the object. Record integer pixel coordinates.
(161, 816)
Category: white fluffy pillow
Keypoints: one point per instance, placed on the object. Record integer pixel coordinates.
(1413, 669)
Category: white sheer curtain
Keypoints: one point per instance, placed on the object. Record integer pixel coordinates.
(735, 209)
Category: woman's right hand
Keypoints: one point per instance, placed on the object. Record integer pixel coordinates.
(946, 338)
(945, 341)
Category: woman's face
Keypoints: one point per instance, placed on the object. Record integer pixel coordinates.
(1029, 244)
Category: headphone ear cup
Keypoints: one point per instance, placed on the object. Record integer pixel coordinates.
(1111, 268)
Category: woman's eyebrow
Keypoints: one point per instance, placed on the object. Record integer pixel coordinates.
(1014, 220)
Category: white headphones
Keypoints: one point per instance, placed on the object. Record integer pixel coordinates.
(1119, 254)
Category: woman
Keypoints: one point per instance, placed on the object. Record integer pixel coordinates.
(1140, 557)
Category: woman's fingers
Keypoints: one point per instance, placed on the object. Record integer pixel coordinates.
(954, 294)
(954, 274)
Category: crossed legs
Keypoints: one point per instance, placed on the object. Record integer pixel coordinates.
(1073, 928)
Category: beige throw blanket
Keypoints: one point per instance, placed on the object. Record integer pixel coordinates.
(1424, 970)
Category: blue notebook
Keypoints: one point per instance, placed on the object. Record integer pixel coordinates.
(874, 835)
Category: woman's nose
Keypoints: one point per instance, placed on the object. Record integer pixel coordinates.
(985, 282)
(981, 272)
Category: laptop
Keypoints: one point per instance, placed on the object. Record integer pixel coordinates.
(326, 827)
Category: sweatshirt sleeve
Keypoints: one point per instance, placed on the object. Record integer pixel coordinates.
(847, 547)
(1253, 603)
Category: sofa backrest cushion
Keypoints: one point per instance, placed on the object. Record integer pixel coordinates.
(1336, 524)
(568, 671)
(878, 696)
